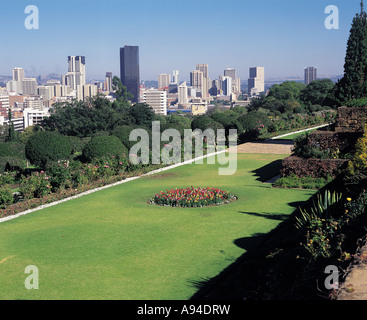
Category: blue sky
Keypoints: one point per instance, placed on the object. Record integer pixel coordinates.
(284, 36)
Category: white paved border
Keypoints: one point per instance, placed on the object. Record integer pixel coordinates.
(137, 177)
(304, 130)
(108, 186)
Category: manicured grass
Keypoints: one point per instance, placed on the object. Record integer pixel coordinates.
(113, 245)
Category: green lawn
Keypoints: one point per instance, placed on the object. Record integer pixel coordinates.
(113, 245)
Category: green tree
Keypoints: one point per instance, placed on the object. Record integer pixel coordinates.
(123, 133)
(44, 147)
(316, 92)
(120, 90)
(12, 134)
(353, 85)
(103, 146)
(85, 119)
(142, 114)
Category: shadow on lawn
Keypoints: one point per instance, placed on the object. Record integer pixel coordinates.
(272, 216)
(268, 171)
(248, 275)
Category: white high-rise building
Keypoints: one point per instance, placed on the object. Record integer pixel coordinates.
(18, 74)
(76, 72)
(164, 80)
(29, 86)
(45, 92)
(175, 76)
(108, 82)
(16, 84)
(204, 69)
(197, 80)
(256, 81)
(310, 75)
(157, 100)
(236, 81)
(4, 105)
(227, 86)
(86, 91)
(182, 94)
(35, 103)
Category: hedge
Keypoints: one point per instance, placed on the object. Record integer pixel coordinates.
(328, 140)
(316, 168)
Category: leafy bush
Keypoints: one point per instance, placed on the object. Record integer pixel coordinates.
(6, 196)
(60, 176)
(103, 146)
(359, 160)
(37, 185)
(44, 147)
(362, 102)
(7, 178)
(293, 181)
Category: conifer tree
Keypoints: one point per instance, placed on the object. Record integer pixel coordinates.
(353, 85)
(12, 136)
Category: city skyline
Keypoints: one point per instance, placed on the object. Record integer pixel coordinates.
(273, 34)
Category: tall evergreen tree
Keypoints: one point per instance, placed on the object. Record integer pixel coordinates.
(12, 136)
(354, 83)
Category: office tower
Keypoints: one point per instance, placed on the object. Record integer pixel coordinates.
(197, 80)
(107, 85)
(256, 81)
(45, 92)
(16, 84)
(310, 74)
(182, 94)
(33, 103)
(18, 74)
(236, 81)
(76, 72)
(227, 86)
(4, 105)
(129, 70)
(164, 80)
(157, 100)
(29, 86)
(175, 76)
(86, 91)
(229, 72)
(204, 69)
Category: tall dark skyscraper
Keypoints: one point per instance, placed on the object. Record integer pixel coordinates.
(129, 70)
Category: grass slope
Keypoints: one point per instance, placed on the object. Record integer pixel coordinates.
(113, 245)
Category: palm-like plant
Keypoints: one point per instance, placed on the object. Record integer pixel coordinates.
(327, 206)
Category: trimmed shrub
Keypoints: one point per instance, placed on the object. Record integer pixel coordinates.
(123, 133)
(44, 147)
(316, 168)
(103, 146)
(325, 144)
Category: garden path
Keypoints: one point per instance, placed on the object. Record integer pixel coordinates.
(266, 146)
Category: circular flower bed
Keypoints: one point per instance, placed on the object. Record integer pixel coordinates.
(192, 197)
